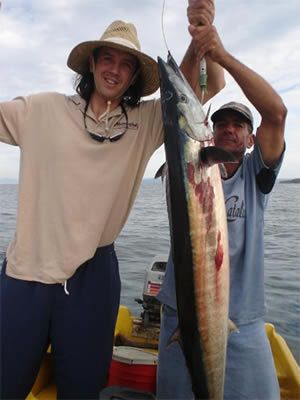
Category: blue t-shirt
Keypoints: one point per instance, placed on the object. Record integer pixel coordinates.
(246, 195)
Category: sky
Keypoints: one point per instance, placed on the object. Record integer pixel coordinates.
(37, 36)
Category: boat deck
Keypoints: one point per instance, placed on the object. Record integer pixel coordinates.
(130, 331)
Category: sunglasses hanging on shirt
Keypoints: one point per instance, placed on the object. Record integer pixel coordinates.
(101, 138)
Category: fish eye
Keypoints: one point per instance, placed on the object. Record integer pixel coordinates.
(168, 95)
(183, 98)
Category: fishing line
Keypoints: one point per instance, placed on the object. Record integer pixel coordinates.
(162, 25)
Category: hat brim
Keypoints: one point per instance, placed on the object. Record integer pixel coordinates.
(78, 61)
(217, 114)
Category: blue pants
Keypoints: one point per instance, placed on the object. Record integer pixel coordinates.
(250, 372)
(79, 326)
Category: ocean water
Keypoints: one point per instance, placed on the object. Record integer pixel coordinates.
(145, 235)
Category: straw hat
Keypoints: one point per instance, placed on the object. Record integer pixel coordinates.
(122, 36)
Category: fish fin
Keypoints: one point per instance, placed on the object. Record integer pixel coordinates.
(232, 327)
(211, 155)
(162, 171)
(175, 337)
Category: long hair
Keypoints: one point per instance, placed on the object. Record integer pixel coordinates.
(84, 85)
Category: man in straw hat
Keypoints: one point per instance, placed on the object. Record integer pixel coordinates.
(250, 372)
(82, 161)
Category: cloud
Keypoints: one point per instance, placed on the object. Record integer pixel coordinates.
(37, 36)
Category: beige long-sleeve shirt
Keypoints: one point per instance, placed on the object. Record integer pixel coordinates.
(75, 194)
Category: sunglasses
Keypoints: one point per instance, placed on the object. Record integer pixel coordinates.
(100, 138)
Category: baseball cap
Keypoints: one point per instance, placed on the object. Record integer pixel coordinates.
(239, 107)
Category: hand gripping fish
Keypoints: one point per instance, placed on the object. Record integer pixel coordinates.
(198, 229)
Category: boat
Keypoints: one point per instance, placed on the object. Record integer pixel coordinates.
(134, 359)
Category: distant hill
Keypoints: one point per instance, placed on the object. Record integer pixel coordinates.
(8, 181)
(296, 180)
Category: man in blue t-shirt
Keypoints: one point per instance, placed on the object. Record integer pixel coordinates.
(250, 372)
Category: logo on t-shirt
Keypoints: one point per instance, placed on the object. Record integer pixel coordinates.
(235, 208)
(131, 125)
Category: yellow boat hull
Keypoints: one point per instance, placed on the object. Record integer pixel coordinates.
(288, 371)
(131, 329)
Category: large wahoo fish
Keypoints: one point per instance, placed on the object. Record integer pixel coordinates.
(198, 228)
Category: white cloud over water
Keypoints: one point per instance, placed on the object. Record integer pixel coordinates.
(37, 36)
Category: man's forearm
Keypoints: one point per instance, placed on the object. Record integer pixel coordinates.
(215, 79)
(270, 133)
(259, 92)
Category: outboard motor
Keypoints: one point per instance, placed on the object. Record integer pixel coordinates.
(153, 280)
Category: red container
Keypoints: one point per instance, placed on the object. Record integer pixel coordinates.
(133, 367)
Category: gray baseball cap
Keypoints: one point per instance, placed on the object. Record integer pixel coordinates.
(239, 107)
